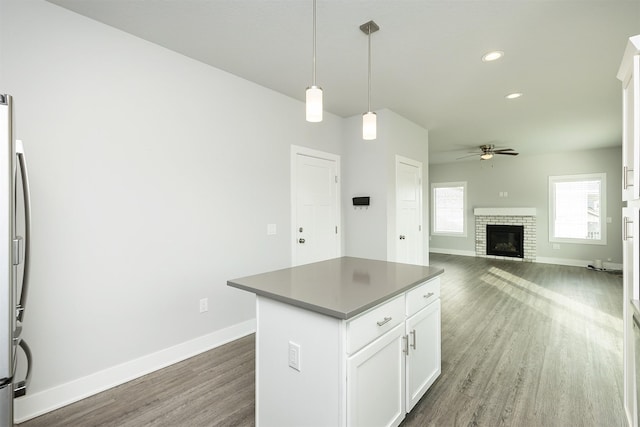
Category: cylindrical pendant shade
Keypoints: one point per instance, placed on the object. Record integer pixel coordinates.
(314, 104)
(369, 131)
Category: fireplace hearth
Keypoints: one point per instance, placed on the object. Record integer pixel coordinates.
(505, 240)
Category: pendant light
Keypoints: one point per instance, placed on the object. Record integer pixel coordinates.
(314, 93)
(369, 125)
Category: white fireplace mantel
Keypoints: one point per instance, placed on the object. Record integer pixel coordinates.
(504, 211)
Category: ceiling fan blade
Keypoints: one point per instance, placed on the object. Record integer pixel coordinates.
(507, 153)
(503, 149)
(469, 155)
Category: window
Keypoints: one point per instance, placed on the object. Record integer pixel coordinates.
(577, 209)
(449, 201)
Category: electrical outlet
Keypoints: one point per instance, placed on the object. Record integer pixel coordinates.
(204, 305)
(294, 356)
(271, 229)
(556, 246)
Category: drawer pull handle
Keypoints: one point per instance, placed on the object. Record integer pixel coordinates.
(625, 228)
(429, 295)
(405, 350)
(625, 178)
(382, 322)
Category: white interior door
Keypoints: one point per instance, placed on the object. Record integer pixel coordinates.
(316, 209)
(408, 211)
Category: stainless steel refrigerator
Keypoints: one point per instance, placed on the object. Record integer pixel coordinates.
(15, 230)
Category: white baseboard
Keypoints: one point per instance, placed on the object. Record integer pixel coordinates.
(452, 252)
(542, 260)
(33, 405)
(564, 261)
(577, 262)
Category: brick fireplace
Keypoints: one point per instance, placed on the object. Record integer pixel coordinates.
(525, 217)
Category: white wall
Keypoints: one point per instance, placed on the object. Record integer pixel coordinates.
(370, 170)
(364, 174)
(526, 180)
(153, 177)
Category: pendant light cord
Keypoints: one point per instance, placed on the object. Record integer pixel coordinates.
(369, 90)
(313, 76)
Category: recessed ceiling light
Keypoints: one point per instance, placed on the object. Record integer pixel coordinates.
(513, 95)
(492, 56)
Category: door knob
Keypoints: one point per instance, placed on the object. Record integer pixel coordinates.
(300, 240)
(402, 237)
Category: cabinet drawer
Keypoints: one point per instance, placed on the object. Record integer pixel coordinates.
(373, 323)
(422, 296)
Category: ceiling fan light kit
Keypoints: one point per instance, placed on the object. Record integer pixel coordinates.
(492, 56)
(487, 151)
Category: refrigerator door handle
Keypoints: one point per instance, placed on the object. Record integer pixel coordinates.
(27, 228)
(20, 387)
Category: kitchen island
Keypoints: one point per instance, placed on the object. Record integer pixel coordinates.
(344, 342)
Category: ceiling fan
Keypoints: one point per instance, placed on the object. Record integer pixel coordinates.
(487, 151)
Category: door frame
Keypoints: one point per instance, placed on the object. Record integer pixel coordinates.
(416, 164)
(297, 150)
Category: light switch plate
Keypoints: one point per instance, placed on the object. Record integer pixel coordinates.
(271, 229)
(204, 305)
(294, 356)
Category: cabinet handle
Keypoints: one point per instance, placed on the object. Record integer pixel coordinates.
(429, 295)
(405, 350)
(414, 339)
(625, 178)
(625, 228)
(382, 322)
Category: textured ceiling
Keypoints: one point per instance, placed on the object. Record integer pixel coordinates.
(563, 55)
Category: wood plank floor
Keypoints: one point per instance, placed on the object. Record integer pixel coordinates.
(523, 344)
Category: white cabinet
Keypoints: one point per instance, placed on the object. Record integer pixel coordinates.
(629, 75)
(423, 358)
(630, 278)
(367, 371)
(374, 323)
(375, 386)
(387, 377)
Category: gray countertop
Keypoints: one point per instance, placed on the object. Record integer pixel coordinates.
(340, 287)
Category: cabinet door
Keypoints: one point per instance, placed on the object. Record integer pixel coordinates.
(423, 360)
(375, 382)
(630, 291)
(631, 133)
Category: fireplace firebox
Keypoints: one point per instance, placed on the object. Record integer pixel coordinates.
(505, 240)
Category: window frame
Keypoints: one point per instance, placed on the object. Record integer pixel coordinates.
(602, 177)
(436, 185)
